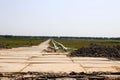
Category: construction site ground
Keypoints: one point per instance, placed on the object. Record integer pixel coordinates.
(36, 59)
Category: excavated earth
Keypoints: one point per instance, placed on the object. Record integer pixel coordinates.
(98, 50)
(35, 62)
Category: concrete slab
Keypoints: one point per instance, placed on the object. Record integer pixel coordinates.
(89, 65)
(50, 59)
(11, 67)
(54, 68)
(89, 59)
(52, 56)
(10, 57)
(95, 62)
(102, 69)
(13, 61)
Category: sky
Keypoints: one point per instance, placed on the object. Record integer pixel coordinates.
(81, 18)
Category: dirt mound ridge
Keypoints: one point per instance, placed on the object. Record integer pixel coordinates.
(60, 76)
(98, 50)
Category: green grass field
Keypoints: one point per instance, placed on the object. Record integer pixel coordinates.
(71, 43)
(78, 43)
(20, 42)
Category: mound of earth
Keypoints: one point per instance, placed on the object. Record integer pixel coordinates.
(60, 76)
(98, 50)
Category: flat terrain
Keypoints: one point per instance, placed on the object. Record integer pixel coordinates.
(78, 43)
(35, 59)
(14, 42)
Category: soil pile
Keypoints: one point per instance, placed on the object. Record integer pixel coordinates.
(60, 76)
(98, 50)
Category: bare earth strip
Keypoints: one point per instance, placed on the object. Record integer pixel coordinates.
(34, 58)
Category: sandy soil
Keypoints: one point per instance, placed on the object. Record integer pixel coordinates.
(34, 58)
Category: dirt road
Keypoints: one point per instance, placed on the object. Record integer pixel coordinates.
(34, 58)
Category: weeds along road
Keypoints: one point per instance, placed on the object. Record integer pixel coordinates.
(35, 59)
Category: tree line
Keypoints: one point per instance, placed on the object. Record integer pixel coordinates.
(62, 37)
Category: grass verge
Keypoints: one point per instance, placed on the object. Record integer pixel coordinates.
(19, 42)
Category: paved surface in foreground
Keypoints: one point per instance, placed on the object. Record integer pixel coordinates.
(34, 58)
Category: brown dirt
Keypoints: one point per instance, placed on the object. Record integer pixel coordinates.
(98, 50)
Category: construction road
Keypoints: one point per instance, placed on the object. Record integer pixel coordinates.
(35, 59)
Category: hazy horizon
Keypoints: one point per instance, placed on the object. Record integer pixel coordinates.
(79, 18)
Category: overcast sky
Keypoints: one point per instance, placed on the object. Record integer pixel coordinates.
(93, 18)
